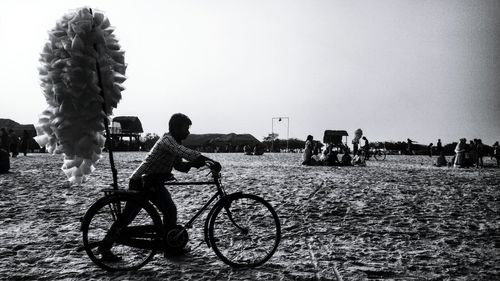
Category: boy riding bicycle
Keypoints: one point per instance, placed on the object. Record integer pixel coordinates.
(167, 153)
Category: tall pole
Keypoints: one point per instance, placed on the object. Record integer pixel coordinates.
(114, 172)
(272, 134)
(287, 129)
(287, 133)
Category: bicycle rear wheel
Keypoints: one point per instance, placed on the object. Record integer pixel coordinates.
(244, 231)
(127, 227)
(379, 155)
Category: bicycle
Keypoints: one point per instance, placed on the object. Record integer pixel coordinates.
(379, 154)
(233, 227)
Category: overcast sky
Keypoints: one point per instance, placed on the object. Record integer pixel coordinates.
(396, 69)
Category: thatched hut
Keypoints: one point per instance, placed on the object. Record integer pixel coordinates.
(19, 131)
(201, 142)
(335, 137)
(8, 123)
(234, 142)
(125, 133)
(220, 142)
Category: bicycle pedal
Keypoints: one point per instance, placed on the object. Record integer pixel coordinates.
(80, 248)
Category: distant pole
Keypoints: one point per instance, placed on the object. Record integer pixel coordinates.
(272, 134)
(287, 129)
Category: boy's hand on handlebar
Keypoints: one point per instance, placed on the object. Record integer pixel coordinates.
(214, 165)
(198, 164)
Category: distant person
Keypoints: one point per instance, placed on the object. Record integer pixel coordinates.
(316, 158)
(480, 153)
(326, 154)
(258, 150)
(460, 150)
(14, 143)
(429, 149)
(346, 159)
(441, 160)
(247, 150)
(366, 147)
(308, 151)
(496, 153)
(332, 159)
(358, 159)
(25, 142)
(4, 161)
(410, 146)
(5, 140)
(355, 141)
(439, 147)
(355, 145)
(472, 152)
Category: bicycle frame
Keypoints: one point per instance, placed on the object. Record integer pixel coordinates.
(220, 194)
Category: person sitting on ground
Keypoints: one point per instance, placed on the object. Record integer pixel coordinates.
(333, 159)
(325, 155)
(258, 150)
(308, 150)
(358, 159)
(315, 158)
(247, 150)
(167, 153)
(441, 160)
(346, 159)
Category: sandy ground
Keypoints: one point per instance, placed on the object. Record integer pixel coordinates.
(399, 219)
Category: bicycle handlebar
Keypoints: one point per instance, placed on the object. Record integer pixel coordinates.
(214, 167)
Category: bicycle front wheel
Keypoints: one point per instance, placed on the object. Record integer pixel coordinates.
(128, 228)
(244, 231)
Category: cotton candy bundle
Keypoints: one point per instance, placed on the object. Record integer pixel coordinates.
(73, 123)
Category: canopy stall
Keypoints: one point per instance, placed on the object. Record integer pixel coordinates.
(335, 137)
(125, 133)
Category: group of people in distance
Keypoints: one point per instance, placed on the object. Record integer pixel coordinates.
(466, 154)
(471, 154)
(330, 156)
(11, 143)
(257, 150)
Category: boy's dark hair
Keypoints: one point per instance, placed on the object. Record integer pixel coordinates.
(177, 120)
